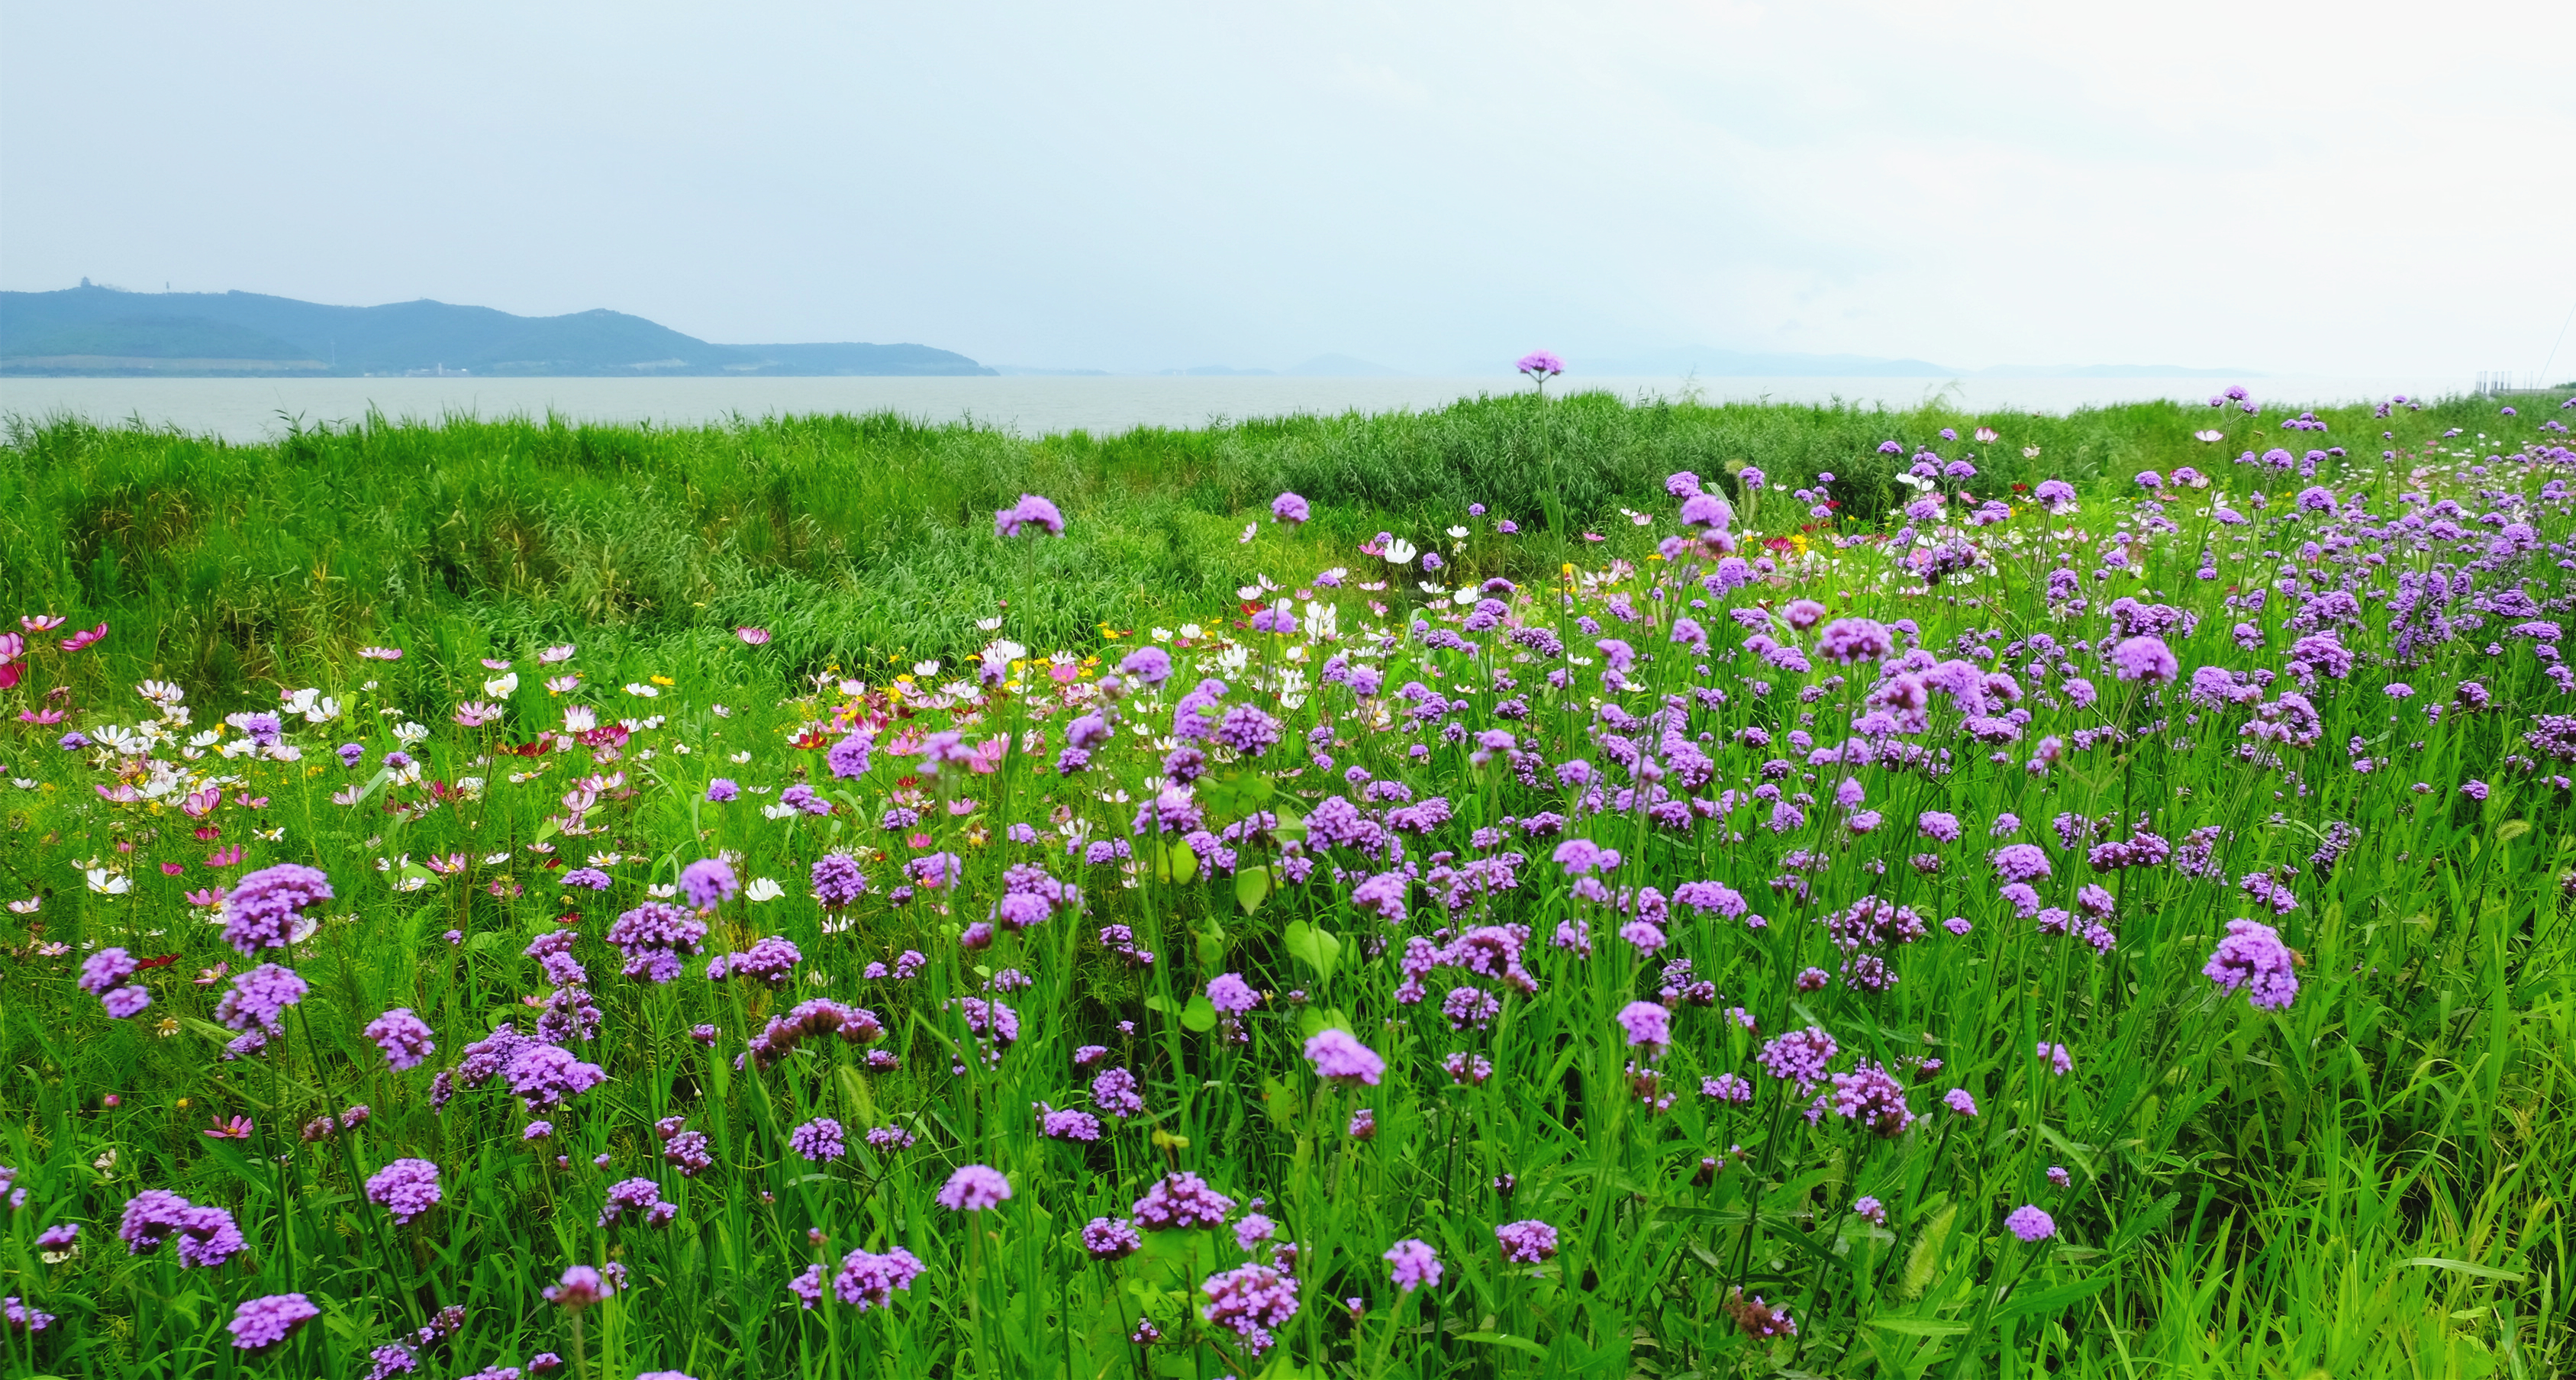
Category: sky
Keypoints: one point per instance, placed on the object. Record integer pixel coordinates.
(2291, 188)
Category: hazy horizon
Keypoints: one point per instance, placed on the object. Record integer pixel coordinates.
(1431, 189)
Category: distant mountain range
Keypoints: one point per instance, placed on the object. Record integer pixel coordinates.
(91, 330)
(95, 330)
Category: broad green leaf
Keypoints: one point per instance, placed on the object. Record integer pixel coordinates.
(1251, 888)
(1279, 1100)
(1199, 1015)
(1318, 949)
(1177, 864)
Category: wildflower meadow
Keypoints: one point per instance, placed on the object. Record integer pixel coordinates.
(1931, 910)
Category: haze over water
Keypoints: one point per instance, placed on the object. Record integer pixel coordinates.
(256, 409)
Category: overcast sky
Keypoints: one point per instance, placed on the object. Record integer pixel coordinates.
(2296, 188)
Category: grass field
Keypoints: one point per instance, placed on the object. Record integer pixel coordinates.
(859, 539)
(763, 921)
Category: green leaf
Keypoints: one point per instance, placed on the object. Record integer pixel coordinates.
(1279, 1100)
(1177, 864)
(1318, 949)
(2144, 1224)
(1251, 888)
(2464, 1267)
(1924, 1261)
(1920, 1327)
(1199, 1015)
(1313, 1021)
(1291, 827)
(2081, 1154)
(2051, 1299)
(1158, 1002)
(1504, 1339)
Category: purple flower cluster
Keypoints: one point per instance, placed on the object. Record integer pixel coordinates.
(642, 1197)
(1179, 1201)
(837, 880)
(2253, 957)
(104, 974)
(818, 1140)
(1252, 1301)
(404, 1037)
(818, 1017)
(868, 1280)
(264, 905)
(655, 934)
(260, 997)
(973, 1188)
(406, 1188)
(207, 1236)
(263, 1322)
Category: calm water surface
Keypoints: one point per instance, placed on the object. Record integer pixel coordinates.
(255, 409)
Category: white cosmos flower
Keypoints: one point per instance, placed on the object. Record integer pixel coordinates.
(502, 687)
(125, 742)
(410, 734)
(643, 691)
(1401, 552)
(108, 883)
(161, 692)
(926, 669)
(739, 758)
(1250, 530)
(1192, 632)
(777, 811)
(27, 907)
(662, 891)
(764, 889)
(1457, 534)
(316, 707)
(580, 718)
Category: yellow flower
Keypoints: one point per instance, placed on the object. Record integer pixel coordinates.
(1566, 569)
(664, 680)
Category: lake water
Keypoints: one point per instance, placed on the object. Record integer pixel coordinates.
(255, 409)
